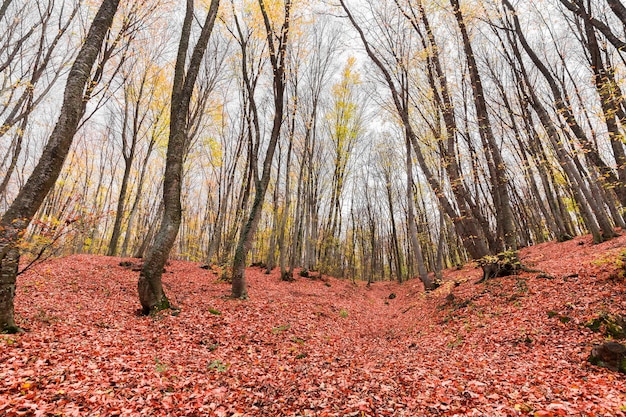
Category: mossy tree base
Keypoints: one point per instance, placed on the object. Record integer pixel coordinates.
(610, 325)
(151, 294)
(12, 330)
(609, 355)
(564, 238)
(164, 304)
(500, 265)
(287, 276)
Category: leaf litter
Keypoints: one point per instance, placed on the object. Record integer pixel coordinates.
(511, 346)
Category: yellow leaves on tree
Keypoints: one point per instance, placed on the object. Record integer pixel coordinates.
(345, 120)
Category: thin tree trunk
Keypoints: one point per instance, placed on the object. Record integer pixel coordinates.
(138, 195)
(17, 149)
(560, 103)
(287, 274)
(429, 284)
(271, 253)
(121, 199)
(277, 59)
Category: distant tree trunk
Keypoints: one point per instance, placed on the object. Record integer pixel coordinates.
(373, 241)
(287, 274)
(151, 225)
(467, 223)
(40, 72)
(214, 243)
(429, 284)
(150, 288)
(395, 246)
(298, 221)
(17, 149)
(121, 200)
(609, 94)
(135, 206)
(271, 253)
(17, 218)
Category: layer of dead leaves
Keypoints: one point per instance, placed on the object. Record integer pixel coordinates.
(512, 346)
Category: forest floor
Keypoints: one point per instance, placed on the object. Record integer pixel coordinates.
(511, 346)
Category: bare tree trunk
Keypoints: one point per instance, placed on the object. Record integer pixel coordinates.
(3, 8)
(138, 195)
(504, 215)
(395, 247)
(591, 211)
(121, 199)
(467, 225)
(429, 284)
(287, 274)
(277, 58)
(17, 218)
(150, 287)
(151, 225)
(17, 149)
(271, 253)
(609, 96)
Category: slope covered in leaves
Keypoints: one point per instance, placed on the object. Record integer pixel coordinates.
(512, 346)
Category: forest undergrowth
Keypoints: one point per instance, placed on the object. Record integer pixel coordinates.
(317, 347)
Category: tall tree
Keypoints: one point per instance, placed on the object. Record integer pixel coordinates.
(16, 219)
(151, 294)
(28, 78)
(591, 209)
(345, 128)
(495, 161)
(467, 226)
(277, 41)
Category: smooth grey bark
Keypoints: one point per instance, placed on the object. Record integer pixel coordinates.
(151, 294)
(18, 216)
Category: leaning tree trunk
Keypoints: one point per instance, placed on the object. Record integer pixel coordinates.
(466, 225)
(17, 218)
(594, 216)
(150, 288)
